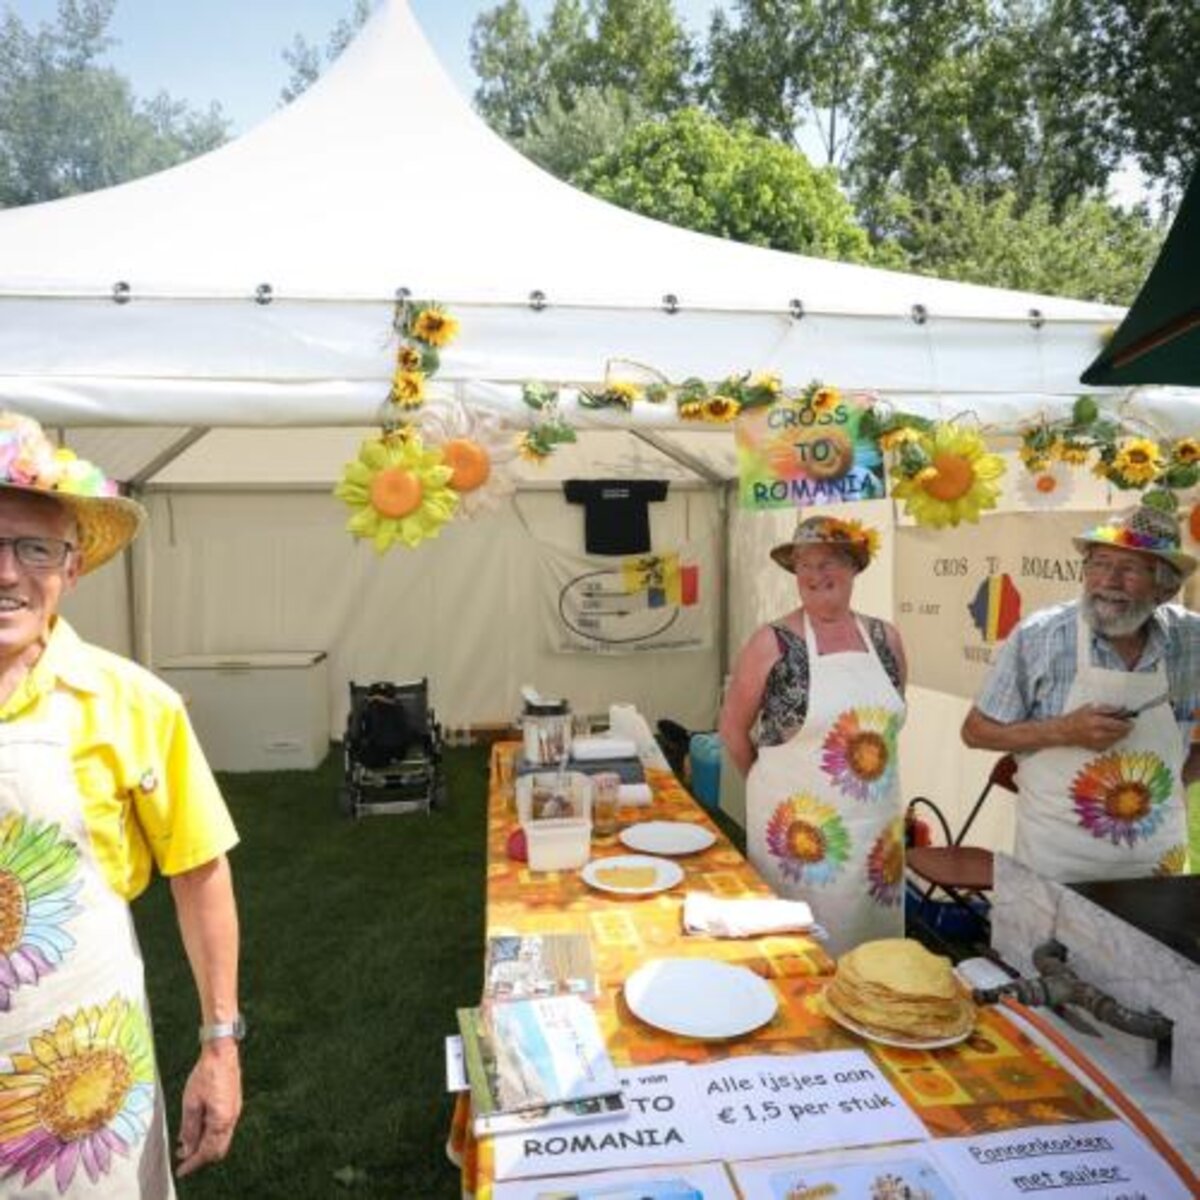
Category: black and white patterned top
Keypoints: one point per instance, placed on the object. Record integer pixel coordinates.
(785, 695)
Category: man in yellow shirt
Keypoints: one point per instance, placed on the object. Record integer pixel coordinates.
(101, 780)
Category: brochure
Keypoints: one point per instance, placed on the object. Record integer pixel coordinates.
(539, 964)
(534, 1053)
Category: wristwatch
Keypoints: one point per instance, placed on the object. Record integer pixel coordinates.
(235, 1029)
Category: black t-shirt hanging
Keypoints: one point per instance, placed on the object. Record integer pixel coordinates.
(616, 520)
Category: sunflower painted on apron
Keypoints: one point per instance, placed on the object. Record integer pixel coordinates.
(808, 840)
(859, 754)
(38, 883)
(81, 1094)
(1122, 797)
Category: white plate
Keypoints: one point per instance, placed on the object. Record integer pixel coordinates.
(836, 1015)
(667, 837)
(666, 874)
(697, 997)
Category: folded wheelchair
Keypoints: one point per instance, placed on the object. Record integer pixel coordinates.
(392, 750)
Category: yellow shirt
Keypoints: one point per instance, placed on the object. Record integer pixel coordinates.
(149, 797)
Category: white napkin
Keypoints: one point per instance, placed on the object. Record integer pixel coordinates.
(588, 749)
(635, 794)
(705, 913)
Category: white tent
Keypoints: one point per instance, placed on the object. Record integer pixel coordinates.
(203, 310)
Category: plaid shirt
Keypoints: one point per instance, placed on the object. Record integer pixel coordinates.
(1036, 666)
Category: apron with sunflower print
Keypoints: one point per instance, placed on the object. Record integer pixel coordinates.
(823, 810)
(1111, 814)
(81, 1112)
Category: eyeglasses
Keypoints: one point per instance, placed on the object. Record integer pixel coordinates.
(38, 553)
(1126, 572)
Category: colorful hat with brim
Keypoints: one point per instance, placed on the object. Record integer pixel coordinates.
(30, 462)
(859, 540)
(1145, 530)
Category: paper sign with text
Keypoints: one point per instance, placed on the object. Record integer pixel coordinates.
(895, 1171)
(791, 454)
(702, 1181)
(1104, 1160)
(736, 1108)
(665, 1125)
(960, 592)
(782, 1105)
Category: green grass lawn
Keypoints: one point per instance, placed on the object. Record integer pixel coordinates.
(359, 940)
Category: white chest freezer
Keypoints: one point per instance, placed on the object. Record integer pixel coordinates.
(256, 712)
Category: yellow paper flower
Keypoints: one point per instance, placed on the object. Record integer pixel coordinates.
(897, 437)
(408, 358)
(408, 389)
(531, 450)
(434, 326)
(623, 392)
(1186, 450)
(720, 409)
(958, 484)
(768, 381)
(825, 399)
(692, 410)
(1138, 460)
(866, 535)
(400, 491)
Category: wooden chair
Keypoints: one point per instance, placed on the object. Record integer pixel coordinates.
(963, 873)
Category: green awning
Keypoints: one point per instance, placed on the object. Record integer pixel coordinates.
(1159, 339)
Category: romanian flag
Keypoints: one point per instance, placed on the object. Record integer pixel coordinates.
(996, 608)
(663, 579)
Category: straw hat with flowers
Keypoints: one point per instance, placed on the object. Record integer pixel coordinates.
(32, 464)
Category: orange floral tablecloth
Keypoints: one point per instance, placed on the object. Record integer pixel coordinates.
(997, 1079)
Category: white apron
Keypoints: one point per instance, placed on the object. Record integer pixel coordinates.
(824, 818)
(81, 1113)
(1106, 814)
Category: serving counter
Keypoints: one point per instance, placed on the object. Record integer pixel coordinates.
(997, 1080)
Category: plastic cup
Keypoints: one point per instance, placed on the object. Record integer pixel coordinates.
(606, 794)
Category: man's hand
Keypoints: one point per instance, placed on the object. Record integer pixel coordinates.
(212, 1103)
(1094, 726)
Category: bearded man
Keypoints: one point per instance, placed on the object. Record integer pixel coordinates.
(1098, 700)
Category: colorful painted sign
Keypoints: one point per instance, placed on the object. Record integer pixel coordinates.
(808, 450)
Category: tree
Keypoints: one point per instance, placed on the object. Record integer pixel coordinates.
(305, 59)
(898, 89)
(1088, 250)
(636, 47)
(69, 125)
(976, 89)
(565, 140)
(1140, 62)
(690, 170)
(785, 65)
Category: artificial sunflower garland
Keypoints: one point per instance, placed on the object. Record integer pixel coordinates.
(1125, 457)
(550, 427)
(423, 328)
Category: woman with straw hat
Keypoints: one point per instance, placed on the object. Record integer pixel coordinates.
(101, 781)
(825, 687)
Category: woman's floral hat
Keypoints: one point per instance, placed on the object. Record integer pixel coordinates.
(31, 462)
(1147, 530)
(859, 540)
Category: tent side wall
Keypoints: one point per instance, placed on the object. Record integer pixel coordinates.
(245, 572)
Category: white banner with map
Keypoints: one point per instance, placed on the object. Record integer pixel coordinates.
(629, 604)
(959, 592)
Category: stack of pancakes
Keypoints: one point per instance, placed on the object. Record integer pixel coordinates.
(896, 989)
